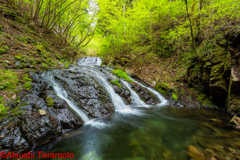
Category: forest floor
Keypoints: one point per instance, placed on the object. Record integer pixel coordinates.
(168, 76)
(23, 48)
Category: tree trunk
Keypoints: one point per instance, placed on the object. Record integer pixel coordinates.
(191, 29)
(33, 10)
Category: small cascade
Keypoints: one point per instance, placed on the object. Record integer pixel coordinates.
(135, 98)
(88, 61)
(63, 94)
(159, 96)
(116, 99)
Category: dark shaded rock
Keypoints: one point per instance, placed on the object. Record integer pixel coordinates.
(145, 95)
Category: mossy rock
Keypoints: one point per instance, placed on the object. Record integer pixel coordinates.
(217, 72)
(8, 80)
(44, 66)
(121, 74)
(116, 82)
(20, 20)
(201, 97)
(160, 89)
(208, 104)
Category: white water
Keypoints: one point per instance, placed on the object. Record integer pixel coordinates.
(97, 123)
(63, 94)
(87, 61)
(135, 98)
(116, 99)
(159, 96)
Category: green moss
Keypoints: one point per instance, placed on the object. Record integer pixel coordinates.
(18, 57)
(39, 48)
(20, 19)
(209, 104)
(2, 51)
(1, 28)
(174, 96)
(3, 110)
(66, 65)
(44, 66)
(49, 101)
(160, 90)
(8, 80)
(59, 56)
(201, 97)
(26, 78)
(116, 83)
(16, 111)
(121, 74)
(27, 85)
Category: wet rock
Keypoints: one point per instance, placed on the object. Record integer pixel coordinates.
(194, 153)
(86, 93)
(235, 74)
(145, 95)
(235, 121)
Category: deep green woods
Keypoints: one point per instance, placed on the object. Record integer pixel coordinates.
(187, 50)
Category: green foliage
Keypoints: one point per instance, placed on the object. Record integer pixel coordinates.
(116, 83)
(121, 74)
(27, 85)
(174, 96)
(2, 51)
(50, 102)
(132, 29)
(18, 57)
(8, 80)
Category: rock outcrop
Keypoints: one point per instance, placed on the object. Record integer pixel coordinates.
(218, 74)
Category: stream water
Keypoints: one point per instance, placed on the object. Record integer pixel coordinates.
(145, 132)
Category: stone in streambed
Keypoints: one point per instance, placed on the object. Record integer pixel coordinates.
(194, 153)
(42, 112)
(235, 121)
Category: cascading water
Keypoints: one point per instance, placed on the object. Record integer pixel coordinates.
(135, 98)
(88, 61)
(116, 99)
(155, 134)
(159, 96)
(62, 94)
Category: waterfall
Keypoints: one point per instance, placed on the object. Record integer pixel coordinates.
(63, 94)
(135, 98)
(116, 99)
(159, 96)
(87, 61)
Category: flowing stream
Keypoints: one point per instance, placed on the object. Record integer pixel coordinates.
(140, 131)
